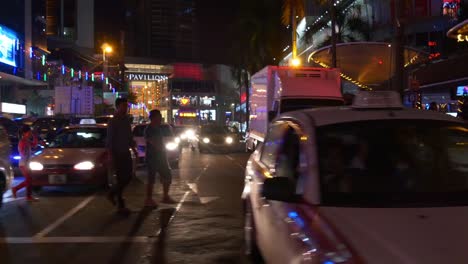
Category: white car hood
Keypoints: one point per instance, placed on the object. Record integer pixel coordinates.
(68, 156)
(404, 235)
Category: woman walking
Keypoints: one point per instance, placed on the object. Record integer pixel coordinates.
(27, 141)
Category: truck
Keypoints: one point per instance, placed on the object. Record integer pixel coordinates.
(278, 89)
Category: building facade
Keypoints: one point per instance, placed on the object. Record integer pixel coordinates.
(162, 29)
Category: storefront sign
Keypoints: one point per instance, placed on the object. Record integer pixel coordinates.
(187, 114)
(8, 42)
(145, 77)
(184, 101)
(13, 108)
(462, 38)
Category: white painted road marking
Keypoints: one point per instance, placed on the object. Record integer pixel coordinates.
(64, 218)
(208, 199)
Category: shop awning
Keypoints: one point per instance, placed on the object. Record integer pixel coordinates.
(459, 32)
(365, 63)
(8, 78)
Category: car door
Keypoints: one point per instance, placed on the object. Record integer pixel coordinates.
(282, 156)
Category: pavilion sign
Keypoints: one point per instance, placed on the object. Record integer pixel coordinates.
(145, 77)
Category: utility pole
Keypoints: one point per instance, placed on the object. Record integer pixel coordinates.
(332, 11)
(398, 45)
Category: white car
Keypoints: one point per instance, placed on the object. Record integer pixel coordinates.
(369, 183)
(171, 142)
(6, 171)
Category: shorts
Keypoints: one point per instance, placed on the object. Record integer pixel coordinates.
(160, 167)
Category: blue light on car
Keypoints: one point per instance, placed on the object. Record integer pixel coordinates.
(292, 214)
(16, 157)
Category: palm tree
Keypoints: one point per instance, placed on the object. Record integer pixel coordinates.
(351, 27)
(293, 10)
(259, 39)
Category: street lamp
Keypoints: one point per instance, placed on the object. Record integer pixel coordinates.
(106, 48)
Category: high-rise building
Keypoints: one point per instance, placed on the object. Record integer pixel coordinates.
(166, 30)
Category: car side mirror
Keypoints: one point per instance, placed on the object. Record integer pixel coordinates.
(271, 115)
(280, 189)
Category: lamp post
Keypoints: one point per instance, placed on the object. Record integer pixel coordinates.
(106, 48)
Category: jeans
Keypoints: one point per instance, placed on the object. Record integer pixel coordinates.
(122, 163)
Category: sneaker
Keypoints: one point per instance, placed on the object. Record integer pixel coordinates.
(32, 199)
(151, 203)
(168, 200)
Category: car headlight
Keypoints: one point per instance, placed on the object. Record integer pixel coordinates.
(190, 134)
(171, 146)
(229, 140)
(206, 140)
(85, 165)
(183, 136)
(177, 140)
(35, 166)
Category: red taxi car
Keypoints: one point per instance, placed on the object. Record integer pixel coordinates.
(76, 156)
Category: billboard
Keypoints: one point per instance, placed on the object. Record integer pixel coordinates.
(8, 42)
(462, 91)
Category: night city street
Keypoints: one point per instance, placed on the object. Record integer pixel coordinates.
(243, 132)
(205, 226)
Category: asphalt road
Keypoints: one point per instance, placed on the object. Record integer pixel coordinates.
(78, 225)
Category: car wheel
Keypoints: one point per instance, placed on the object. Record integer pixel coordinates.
(250, 239)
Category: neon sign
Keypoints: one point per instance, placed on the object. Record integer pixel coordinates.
(461, 38)
(184, 101)
(8, 43)
(187, 114)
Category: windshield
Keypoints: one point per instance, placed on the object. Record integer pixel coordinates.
(80, 138)
(214, 130)
(288, 105)
(392, 163)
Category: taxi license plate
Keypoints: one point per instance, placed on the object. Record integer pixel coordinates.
(57, 178)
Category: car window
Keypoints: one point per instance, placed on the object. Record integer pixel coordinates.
(272, 145)
(288, 157)
(10, 126)
(80, 138)
(393, 161)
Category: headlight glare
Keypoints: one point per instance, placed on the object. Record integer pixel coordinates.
(177, 140)
(190, 134)
(85, 165)
(171, 146)
(206, 140)
(229, 140)
(35, 166)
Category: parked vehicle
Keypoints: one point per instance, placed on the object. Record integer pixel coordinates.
(279, 89)
(6, 171)
(370, 183)
(47, 127)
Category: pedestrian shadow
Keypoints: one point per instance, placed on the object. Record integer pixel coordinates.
(158, 249)
(122, 251)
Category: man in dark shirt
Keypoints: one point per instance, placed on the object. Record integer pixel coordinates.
(156, 160)
(119, 142)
